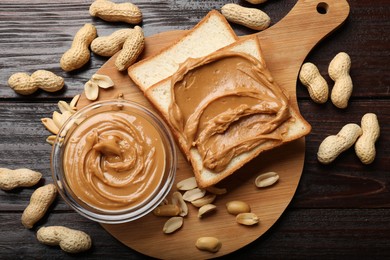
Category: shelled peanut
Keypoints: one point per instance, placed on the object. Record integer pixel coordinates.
(40, 202)
(249, 17)
(317, 86)
(78, 55)
(107, 46)
(24, 84)
(112, 12)
(338, 70)
(365, 145)
(70, 240)
(332, 146)
(132, 48)
(11, 179)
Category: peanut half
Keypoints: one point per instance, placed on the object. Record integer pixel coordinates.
(112, 12)
(211, 244)
(40, 202)
(177, 199)
(250, 17)
(132, 48)
(24, 84)
(207, 199)
(332, 146)
(173, 224)
(70, 240)
(339, 72)
(107, 46)
(266, 179)
(205, 209)
(11, 179)
(314, 82)
(187, 184)
(247, 219)
(194, 194)
(365, 145)
(78, 55)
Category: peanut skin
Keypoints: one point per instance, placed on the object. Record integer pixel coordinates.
(40, 202)
(11, 179)
(70, 240)
(112, 12)
(314, 82)
(334, 145)
(78, 55)
(365, 145)
(338, 71)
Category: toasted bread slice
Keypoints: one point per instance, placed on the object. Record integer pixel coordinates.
(160, 95)
(210, 34)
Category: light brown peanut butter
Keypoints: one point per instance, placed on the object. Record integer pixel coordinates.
(226, 104)
(114, 160)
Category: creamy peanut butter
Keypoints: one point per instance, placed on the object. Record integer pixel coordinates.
(225, 105)
(114, 160)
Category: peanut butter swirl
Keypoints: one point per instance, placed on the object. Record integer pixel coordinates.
(225, 105)
(114, 160)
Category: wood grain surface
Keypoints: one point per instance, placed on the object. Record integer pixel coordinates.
(340, 210)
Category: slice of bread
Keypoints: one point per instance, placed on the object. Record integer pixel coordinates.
(210, 34)
(160, 96)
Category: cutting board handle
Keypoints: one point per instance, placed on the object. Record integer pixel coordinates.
(308, 22)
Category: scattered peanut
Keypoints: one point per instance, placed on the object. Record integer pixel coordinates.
(11, 179)
(194, 194)
(365, 145)
(211, 244)
(173, 224)
(40, 202)
(205, 209)
(74, 101)
(167, 210)
(78, 55)
(339, 72)
(69, 240)
(132, 48)
(247, 219)
(315, 83)
(236, 207)
(91, 90)
(111, 12)
(334, 145)
(178, 200)
(107, 46)
(24, 84)
(103, 81)
(187, 184)
(50, 125)
(207, 199)
(250, 17)
(266, 179)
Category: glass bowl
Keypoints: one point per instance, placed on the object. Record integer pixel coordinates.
(114, 161)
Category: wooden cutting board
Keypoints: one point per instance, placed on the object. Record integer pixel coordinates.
(285, 46)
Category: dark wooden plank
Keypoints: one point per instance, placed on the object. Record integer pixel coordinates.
(299, 234)
(38, 41)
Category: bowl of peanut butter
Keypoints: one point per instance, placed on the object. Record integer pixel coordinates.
(114, 161)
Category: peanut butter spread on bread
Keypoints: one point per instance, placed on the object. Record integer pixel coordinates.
(226, 104)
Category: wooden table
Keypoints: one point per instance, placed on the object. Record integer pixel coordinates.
(341, 210)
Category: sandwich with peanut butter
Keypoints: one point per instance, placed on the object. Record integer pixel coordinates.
(225, 109)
